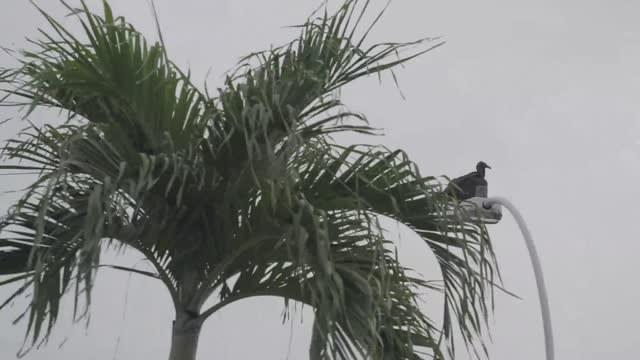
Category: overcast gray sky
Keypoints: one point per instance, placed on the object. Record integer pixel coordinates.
(546, 92)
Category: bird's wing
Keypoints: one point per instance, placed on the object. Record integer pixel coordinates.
(461, 184)
(463, 180)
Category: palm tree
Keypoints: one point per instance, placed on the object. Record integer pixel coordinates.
(234, 195)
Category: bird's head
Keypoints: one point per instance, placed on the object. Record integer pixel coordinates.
(481, 166)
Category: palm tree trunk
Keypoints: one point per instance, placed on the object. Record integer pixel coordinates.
(184, 340)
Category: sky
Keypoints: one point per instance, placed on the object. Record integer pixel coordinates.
(546, 92)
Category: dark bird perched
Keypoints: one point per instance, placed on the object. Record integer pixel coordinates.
(464, 187)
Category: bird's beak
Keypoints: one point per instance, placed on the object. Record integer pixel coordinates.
(488, 167)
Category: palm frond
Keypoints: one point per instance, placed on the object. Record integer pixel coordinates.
(386, 183)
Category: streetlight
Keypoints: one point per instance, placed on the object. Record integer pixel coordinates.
(488, 210)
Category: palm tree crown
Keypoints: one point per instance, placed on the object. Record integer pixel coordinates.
(237, 194)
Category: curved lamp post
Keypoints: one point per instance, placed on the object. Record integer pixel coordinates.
(488, 210)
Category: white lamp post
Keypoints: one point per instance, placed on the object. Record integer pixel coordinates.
(489, 211)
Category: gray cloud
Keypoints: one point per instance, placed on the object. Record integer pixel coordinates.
(546, 92)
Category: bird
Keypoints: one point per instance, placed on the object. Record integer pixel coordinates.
(464, 187)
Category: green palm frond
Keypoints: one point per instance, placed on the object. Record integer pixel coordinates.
(238, 195)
